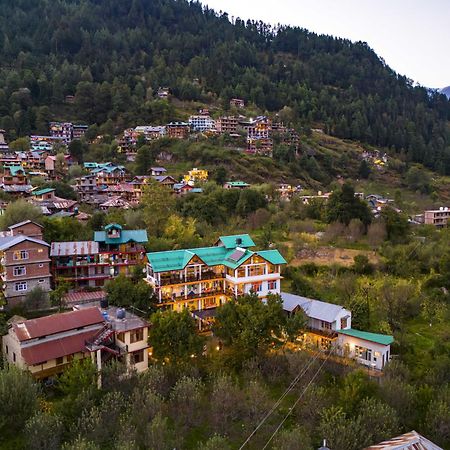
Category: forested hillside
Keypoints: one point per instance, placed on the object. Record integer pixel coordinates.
(113, 54)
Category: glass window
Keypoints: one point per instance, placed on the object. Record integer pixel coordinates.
(363, 353)
(137, 357)
(137, 335)
(20, 254)
(326, 325)
(272, 285)
(20, 270)
(59, 360)
(21, 286)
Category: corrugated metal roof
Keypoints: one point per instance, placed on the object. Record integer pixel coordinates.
(73, 298)
(74, 248)
(57, 323)
(8, 241)
(383, 339)
(315, 309)
(237, 240)
(139, 236)
(408, 441)
(56, 348)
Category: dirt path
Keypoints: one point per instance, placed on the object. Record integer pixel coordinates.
(331, 255)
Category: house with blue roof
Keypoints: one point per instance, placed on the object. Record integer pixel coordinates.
(201, 279)
(106, 173)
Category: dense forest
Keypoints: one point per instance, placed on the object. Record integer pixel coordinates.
(114, 54)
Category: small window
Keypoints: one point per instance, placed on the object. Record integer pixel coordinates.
(20, 255)
(20, 270)
(272, 285)
(41, 265)
(59, 360)
(40, 250)
(41, 281)
(137, 335)
(14, 357)
(6, 349)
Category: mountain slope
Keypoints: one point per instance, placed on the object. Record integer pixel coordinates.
(113, 54)
(446, 91)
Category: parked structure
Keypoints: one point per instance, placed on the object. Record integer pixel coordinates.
(440, 218)
(24, 262)
(203, 278)
(329, 326)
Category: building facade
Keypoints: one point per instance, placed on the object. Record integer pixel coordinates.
(440, 218)
(204, 278)
(25, 262)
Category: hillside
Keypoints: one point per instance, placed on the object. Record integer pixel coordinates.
(114, 54)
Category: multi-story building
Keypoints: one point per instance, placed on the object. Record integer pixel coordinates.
(24, 260)
(62, 130)
(259, 136)
(91, 263)
(201, 123)
(47, 346)
(50, 203)
(440, 218)
(14, 180)
(195, 175)
(79, 130)
(178, 130)
(227, 124)
(201, 279)
(86, 187)
(329, 327)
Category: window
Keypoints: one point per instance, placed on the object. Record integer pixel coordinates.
(121, 337)
(256, 287)
(20, 255)
(20, 270)
(344, 322)
(137, 335)
(59, 360)
(325, 325)
(41, 280)
(272, 285)
(21, 286)
(14, 357)
(6, 349)
(40, 250)
(41, 265)
(363, 353)
(137, 357)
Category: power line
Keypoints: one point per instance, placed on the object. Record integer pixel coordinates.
(296, 402)
(280, 399)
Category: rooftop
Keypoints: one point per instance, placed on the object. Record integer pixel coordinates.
(9, 241)
(408, 441)
(74, 248)
(57, 323)
(42, 191)
(382, 339)
(139, 236)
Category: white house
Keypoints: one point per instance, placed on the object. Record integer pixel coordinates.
(330, 325)
(202, 123)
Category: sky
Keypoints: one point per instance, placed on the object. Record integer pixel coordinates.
(412, 36)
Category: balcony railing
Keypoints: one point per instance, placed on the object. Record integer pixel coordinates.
(207, 275)
(191, 296)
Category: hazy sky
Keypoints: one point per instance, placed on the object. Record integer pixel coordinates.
(413, 36)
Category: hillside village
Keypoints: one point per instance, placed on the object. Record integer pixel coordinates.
(217, 234)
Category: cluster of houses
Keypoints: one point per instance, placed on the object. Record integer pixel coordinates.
(199, 279)
(259, 132)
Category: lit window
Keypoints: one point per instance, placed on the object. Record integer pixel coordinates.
(20, 254)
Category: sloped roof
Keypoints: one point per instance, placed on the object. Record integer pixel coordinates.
(43, 191)
(383, 339)
(237, 183)
(25, 222)
(315, 309)
(15, 169)
(73, 248)
(57, 348)
(139, 236)
(408, 441)
(232, 241)
(211, 256)
(9, 241)
(57, 323)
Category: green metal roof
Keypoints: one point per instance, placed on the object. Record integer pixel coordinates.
(42, 191)
(232, 241)
(273, 256)
(383, 339)
(211, 256)
(15, 169)
(139, 236)
(113, 225)
(237, 183)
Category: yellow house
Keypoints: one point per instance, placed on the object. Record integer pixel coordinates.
(196, 175)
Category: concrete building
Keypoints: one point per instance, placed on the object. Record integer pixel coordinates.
(178, 130)
(440, 218)
(25, 263)
(48, 345)
(201, 123)
(227, 124)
